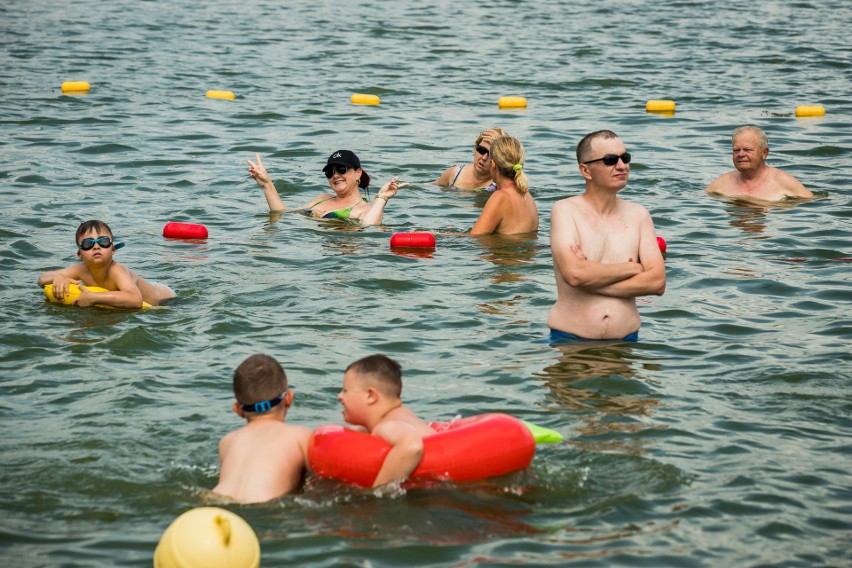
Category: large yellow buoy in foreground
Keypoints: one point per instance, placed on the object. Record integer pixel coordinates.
(664, 106)
(815, 110)
(362, 99)
(512, 102)
(220, 95)
(75, 86)
(208, 537)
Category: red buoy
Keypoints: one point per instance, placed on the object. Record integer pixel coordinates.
(174, 230)
(412, 240)
(661, 242)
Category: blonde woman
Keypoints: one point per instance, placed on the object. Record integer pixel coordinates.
(510, 209)
(475, 176)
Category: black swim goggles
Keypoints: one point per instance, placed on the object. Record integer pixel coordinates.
(103, 242)
(330, 169)
(612, 159)
(264, 405)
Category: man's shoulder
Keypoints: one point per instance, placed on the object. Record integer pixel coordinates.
(567, 203)
(785, 179)
(630, 207)
(723, 183)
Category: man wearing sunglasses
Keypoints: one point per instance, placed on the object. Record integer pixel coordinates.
(605, 250)
(752, 178)
(125, 288)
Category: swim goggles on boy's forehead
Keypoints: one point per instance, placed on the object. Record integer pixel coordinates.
(264, 405)
(103, 242)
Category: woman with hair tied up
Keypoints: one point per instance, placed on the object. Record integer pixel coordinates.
(510, 209)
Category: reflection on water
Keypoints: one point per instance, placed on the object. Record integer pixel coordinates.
(477, 510)
(511, 255)
(599, 383)
(750, 216)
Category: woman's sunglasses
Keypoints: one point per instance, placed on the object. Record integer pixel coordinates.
(482, 150)
(89, 244)
(329, 170)
(612, 159)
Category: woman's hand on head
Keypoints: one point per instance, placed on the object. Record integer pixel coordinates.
(258, 172)
(489, 136)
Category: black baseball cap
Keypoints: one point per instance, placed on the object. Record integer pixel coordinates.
(350, 160)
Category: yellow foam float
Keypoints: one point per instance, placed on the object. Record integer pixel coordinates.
(75, 86)
(74, 293)
(512, 102)
(362, 99)
(229, 95)
(663, 106)
(208, 537)
(813, 110)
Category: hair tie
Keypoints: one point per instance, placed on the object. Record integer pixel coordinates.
(518, 167)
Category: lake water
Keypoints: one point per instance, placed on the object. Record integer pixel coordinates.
(722, 438)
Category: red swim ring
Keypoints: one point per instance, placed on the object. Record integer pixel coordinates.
(466, 449)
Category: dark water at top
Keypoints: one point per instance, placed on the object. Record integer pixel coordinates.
(721, 439)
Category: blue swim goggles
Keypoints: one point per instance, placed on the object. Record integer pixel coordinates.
(264, 405)
(103, 242)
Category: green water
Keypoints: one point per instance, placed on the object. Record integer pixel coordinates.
(720, 439)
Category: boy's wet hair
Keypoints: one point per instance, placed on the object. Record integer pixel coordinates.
(91, 225)
(258, 378)
(384, 370)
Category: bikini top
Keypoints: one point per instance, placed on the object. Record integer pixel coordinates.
(490, 187)
(339, 213)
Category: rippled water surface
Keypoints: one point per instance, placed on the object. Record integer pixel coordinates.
(720, 439)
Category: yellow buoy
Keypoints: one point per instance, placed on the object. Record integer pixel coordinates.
(75, 86)
(362, 99)
(512, 102)
(220, 95)
(660, 106)
(208, 537)
(815, 110)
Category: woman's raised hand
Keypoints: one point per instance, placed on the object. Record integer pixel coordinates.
(389, 189)
(258, 172)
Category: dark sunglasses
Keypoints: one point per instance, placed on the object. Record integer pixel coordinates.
(89, 244)
(329, 170)
(482, 150)
(612, 159)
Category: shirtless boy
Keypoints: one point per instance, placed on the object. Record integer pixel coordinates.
(266, 458)
(605, 250)
(752, 178)
(372, 387)
(95, 247)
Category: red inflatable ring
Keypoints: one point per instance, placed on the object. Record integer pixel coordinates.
(466, 449)
(412, 240)
(174, 230)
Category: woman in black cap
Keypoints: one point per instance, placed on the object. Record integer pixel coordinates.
(346, 179)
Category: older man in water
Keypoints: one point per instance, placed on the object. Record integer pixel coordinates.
(752, 178)
(605, 250)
